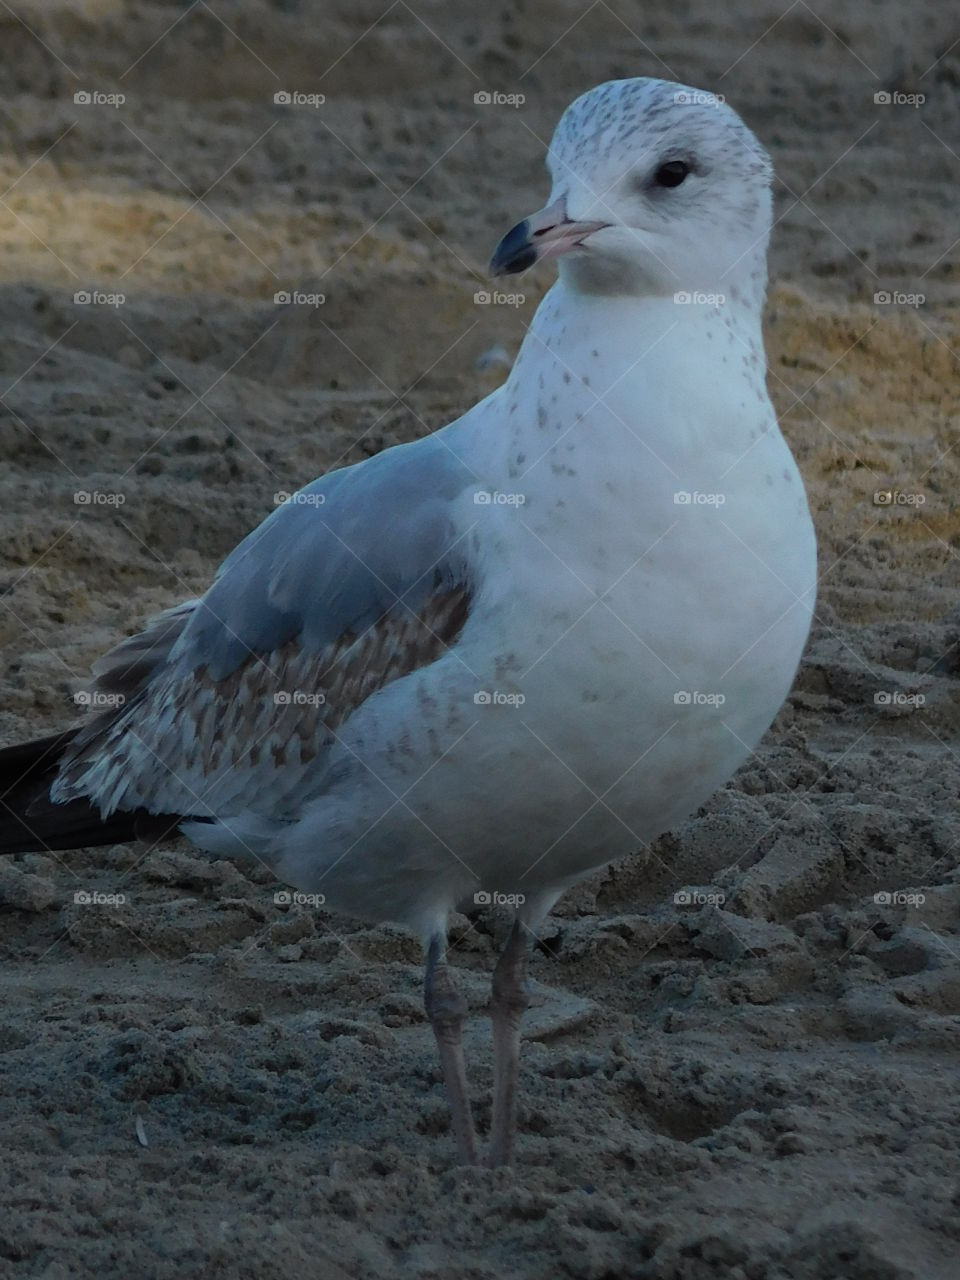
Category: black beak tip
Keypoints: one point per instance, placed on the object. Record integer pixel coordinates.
(514, 253)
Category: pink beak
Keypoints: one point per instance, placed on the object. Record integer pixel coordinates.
(547, 234)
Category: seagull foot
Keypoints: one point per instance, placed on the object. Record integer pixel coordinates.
(447, 1009)
(510, 999)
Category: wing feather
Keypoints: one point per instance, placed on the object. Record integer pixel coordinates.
(230, 701)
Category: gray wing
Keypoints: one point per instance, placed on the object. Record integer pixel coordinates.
(227, 701)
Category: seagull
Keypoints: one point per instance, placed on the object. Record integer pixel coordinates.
(479, 666)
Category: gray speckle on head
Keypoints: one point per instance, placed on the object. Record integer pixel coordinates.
(645, 117)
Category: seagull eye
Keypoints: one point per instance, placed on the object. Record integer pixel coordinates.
(671, 174)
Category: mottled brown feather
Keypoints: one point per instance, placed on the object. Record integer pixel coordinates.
(232, 717)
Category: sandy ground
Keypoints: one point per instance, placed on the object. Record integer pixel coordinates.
(762, 1089)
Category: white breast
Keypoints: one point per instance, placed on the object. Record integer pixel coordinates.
(634, 646)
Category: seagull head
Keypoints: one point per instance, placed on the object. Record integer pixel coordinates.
(658, 188)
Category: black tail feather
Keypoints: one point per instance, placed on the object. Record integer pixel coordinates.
(31, 823)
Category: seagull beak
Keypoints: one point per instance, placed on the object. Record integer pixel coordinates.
(547, 234)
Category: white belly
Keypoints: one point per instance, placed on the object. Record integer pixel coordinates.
(598, 725)
(624, 654)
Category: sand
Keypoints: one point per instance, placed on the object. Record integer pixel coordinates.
(757, 1080)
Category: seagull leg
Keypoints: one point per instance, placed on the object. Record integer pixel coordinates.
(446, 1009)
(510, 999)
